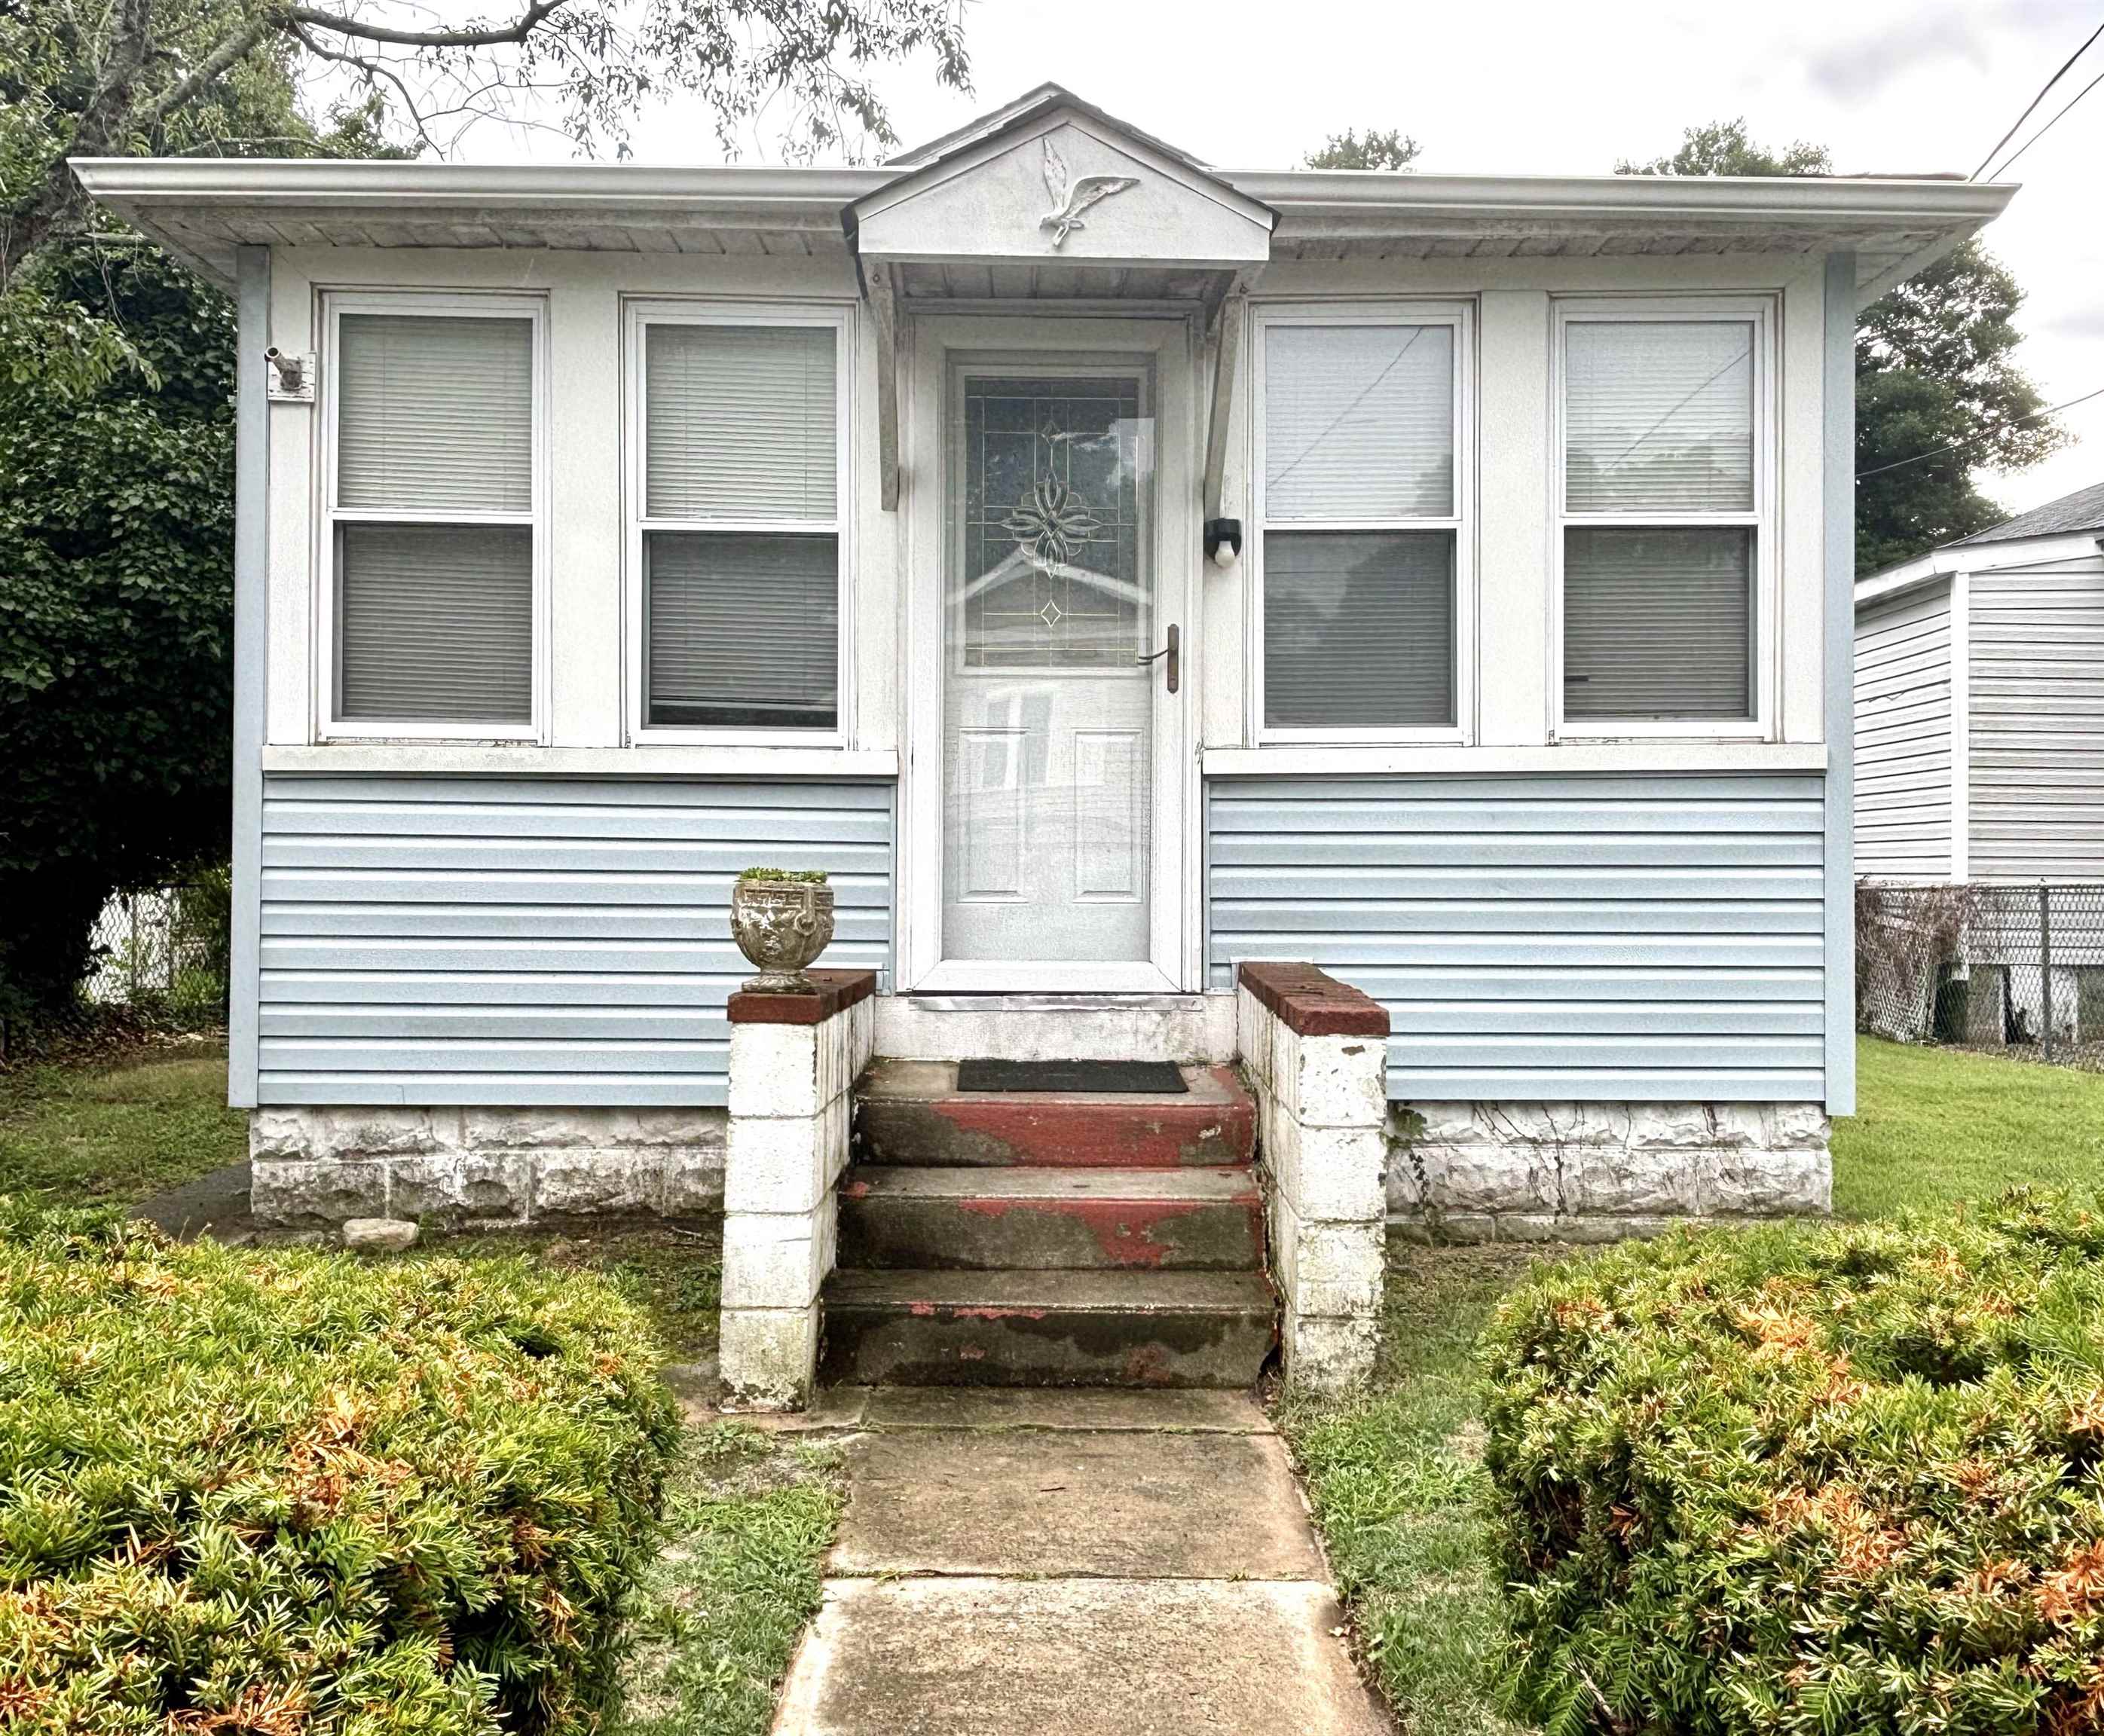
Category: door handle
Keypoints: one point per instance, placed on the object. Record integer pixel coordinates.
(1174, 669)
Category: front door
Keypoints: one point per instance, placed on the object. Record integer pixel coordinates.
(1058, 860)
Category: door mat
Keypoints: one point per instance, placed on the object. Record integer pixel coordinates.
(1134, 1076)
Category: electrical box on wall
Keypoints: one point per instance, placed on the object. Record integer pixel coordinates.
(290, 379)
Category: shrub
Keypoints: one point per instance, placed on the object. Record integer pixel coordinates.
(258, 1494)
(1840, 1481)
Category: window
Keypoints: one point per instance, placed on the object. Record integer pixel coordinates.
(739, 507)
(434, 509)
(1360, 512)
(1662, 488)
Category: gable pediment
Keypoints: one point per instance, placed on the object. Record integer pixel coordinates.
(1064, 183)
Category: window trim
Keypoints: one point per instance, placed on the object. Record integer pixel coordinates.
(639, 314)
(1762, 312)
(1459, 314)
(449, 304)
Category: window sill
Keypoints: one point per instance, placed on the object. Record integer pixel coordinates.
(529, 760)
(1628, 757)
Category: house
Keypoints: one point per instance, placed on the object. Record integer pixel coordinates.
(1111, 570)
(1980, 761)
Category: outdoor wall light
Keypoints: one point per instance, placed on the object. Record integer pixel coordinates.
(1223, 540)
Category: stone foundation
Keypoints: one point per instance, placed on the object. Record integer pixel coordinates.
(1598, 1172)
(316, 1167)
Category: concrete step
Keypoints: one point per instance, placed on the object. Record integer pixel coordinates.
(910, 1112)
(1044, 1219)
(1028, 1329)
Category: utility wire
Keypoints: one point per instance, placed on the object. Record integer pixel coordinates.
(1984, 433)
(2011, 162)
(2034, 103)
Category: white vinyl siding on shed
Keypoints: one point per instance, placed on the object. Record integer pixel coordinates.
(2036, 718)
(1545, 938)
(1903, 736)
(533, 941)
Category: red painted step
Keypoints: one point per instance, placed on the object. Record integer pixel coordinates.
(1047, 1328)
(910, 1112)
(1035, 1218)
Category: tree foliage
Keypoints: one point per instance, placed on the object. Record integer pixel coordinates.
(1937, 382)
(1392, 149)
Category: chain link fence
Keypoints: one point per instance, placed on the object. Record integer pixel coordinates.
(2014, 968)
(163, 951)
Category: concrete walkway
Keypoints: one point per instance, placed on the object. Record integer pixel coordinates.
(1078, 1563)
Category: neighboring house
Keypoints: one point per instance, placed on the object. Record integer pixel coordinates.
(1980, 751)
(610, 528)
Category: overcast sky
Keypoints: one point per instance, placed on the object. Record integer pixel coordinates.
(1520, 86)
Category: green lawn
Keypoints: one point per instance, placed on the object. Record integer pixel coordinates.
(748, 1518)
(114, 1130)
(1395, 1478)
(1932, 1126)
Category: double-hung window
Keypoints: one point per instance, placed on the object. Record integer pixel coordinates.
(434, 521)
(1663, 484)
(1360, 472)
(739, 494)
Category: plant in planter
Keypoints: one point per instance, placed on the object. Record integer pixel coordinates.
(782, 920)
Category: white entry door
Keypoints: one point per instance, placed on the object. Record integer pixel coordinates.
(1060, 856)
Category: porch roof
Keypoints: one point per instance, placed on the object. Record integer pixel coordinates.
(204, 210)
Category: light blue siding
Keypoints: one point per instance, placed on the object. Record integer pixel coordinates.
(1605, 938)
(543, 941)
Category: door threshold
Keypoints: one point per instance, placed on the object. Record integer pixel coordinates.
(1062, 1000)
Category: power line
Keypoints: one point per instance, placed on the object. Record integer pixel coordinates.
(1984, 433)
(2012, 162)
(2034, 103)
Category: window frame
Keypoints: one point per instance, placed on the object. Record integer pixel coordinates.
(639, 314)
(1761, 311)
(1457, 314)
(443, 304)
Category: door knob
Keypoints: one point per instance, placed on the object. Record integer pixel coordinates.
(1173, 669)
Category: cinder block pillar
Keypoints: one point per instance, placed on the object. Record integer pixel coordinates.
(1315, 1051)
(794, 1060)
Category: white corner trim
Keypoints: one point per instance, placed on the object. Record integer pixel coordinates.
(1961, 727)
(1627, 758)
(528, 760)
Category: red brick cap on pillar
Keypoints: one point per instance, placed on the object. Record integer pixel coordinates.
(1312, 1002)
(832, 992)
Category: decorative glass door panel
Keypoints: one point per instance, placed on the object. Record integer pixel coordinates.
(1048, 711)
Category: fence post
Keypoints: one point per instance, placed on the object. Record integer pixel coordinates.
(2045, 962)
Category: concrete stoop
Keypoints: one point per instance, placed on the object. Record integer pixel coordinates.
(1049, 1239)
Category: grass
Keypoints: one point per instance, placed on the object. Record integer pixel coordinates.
(115, 1129)
(1934, 1126)
(1396, 1483)
(749, 1517)
(1394, 1477)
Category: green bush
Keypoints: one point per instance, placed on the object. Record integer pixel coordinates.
(1842, 1480)
(248, 1494)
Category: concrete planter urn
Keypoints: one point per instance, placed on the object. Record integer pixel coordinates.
(780, 924)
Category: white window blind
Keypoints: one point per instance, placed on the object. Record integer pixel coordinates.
(742, 629)
(1658, 623)
(1659, 416)
(1359, 422)
(435, 622)
(740, 422)
(436, 414)
(1358, 630)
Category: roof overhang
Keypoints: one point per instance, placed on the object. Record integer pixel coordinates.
(204, 209)
(1976, 556)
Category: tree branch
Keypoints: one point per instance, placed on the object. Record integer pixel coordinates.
(234, 48)
(105, 117)
(517, 31)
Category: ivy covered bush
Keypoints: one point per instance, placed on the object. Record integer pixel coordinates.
(1846, 1480)
(267, 1495)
